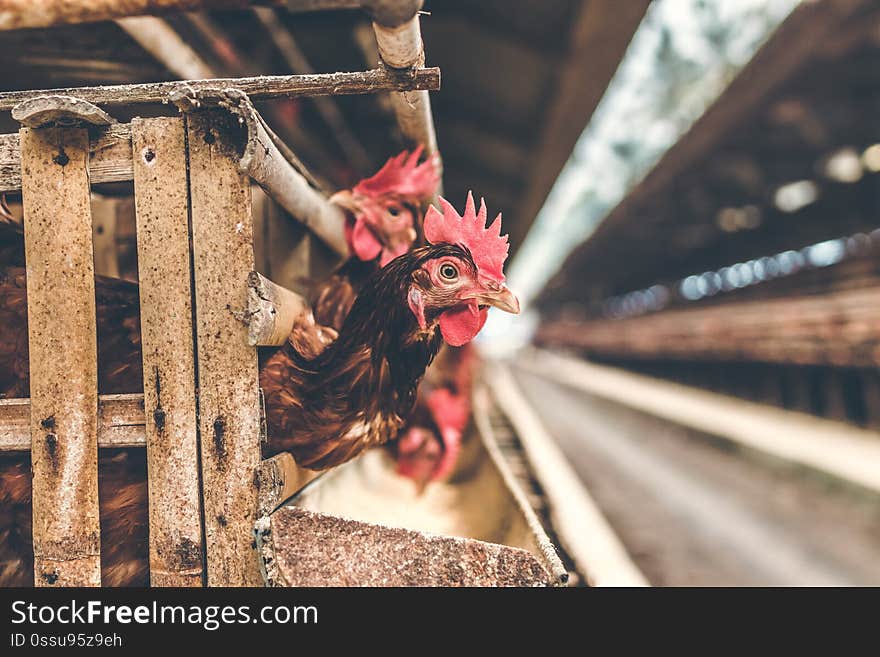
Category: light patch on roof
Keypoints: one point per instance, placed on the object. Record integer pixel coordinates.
(683, 55)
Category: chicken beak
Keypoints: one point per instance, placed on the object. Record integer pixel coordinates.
(503, 299)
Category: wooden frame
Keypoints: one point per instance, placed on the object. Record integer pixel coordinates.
(199, 321)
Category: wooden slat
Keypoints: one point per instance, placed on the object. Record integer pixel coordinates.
(229, 405)
(162, 205)
(109, 157)
(120, 422)
(63, 356)
(261, 87)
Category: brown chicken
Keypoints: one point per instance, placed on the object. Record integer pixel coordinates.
(383, 212)
(428, 447)
(323, 407)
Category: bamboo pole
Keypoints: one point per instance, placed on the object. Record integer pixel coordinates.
(159, 39)
(261, 158)
(279, 477)
(162, 203)
(229, 399)
(18, 14)
(120, 422)
(271, 311)
(63, 356)
(263, 87)
(401, 48)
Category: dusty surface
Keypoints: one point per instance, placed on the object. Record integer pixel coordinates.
(693, 511)
(303, 548)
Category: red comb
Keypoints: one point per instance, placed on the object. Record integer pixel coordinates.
(487, 246)
(403, 176)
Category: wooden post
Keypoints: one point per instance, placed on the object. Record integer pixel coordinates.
(162, 204)
(401, 48)
(229, 398)
(63, 356)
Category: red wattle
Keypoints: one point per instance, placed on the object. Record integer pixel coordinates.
(461, 324)
(363, 242)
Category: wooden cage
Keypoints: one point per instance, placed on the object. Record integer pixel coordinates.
(203, 311)
(203, 307)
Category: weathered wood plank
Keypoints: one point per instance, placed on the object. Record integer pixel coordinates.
(18, 14)
(109, 157)
(162, 206)
(229, 400)
(63, 356)
(262, 87)
(120, 422)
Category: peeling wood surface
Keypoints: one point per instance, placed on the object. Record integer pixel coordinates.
(280, 477)
(63, 355)
(271, 311)
(60, 111)
(109, 157)
(162, 205)
(120, 422)
(229, 404)
(18, 14)
(262, 87)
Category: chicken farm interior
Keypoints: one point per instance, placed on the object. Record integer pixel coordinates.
(439, 293)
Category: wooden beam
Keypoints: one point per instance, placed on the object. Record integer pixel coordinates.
(120, 422)
(162, 211)
(263, 87)
(229, 396)
(109, 157)
(837, 328)
(598, 40)
(160, 40)
(62, 339)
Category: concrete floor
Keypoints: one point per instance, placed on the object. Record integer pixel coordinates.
(692, 510)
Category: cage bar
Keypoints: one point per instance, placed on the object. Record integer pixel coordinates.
(63, 356)
(162, 202)
(229, 398)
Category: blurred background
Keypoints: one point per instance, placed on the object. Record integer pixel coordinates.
(691, 189)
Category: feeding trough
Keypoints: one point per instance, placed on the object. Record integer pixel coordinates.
(364, 525)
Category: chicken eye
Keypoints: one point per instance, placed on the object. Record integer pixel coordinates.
(394, 211)
(448, 271)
